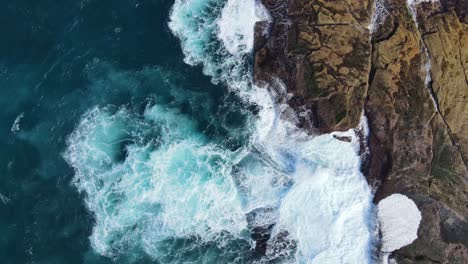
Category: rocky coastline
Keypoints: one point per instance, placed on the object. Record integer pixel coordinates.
(405, 67)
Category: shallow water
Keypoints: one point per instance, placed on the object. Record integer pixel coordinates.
(132, 133)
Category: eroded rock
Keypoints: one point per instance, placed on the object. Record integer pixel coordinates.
(321, 50)
(409, 77)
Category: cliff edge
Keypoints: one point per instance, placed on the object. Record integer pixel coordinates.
(404, 64)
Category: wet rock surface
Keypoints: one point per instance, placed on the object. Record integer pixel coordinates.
(314, 47)
(260, 223)
(409, 76)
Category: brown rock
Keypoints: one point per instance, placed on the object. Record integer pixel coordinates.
(446, 39)
(321, 51)
(418, 138)
(413, 150)
(441, 239)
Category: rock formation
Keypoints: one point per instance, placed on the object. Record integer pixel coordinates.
(409, 76)
(321, 50)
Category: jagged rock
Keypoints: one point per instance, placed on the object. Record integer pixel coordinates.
(321, 50)
(441, 238)
(418, 123)
(412, 150)
(399, 107)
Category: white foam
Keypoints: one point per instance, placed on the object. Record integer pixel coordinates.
(378, 16)
(364, 125)
(178, 186)
(235, 25)
(194, 23)
(411, 4)
(399, 219)
(329, 206)
(181, 185)
(428, 80)
(417, 2)
(16, 125)
(328, 209)
(4, 199)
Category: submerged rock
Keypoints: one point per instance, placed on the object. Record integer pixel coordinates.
(260, 223)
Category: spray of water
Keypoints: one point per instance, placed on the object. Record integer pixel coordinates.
(156, 184)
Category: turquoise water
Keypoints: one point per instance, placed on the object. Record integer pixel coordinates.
(59, 60)
(132, 133)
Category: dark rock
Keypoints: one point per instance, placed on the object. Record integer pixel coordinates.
(260, 223)
(321, 51)
(344, 139)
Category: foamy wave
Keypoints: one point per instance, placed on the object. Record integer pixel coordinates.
(235, 25)
(155, 180)
(399, 220)
(327, 208)
(328, 211)
(170, 182)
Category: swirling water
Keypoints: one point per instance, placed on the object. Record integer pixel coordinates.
(166, 164)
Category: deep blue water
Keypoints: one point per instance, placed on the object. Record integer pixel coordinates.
(57, 60)
(131, 132)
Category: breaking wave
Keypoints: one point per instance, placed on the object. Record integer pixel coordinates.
(159, 186)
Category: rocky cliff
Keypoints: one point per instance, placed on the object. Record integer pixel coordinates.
(405, 66)
(321, 50)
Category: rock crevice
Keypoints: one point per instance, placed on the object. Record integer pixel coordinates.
(335, 69)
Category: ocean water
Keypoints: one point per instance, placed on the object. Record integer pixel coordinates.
(132, 133)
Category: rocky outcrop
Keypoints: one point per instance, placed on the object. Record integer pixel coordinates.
(417, 143)
(444, 30)
(321, 50)
(411, 80)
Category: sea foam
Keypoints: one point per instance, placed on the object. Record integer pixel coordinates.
(157, 184)
(171, 182)
(235, 25)
(327, 209)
